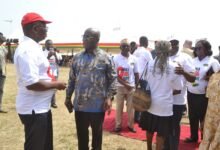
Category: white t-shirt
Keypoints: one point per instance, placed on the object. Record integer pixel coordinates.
(143, 56)
(185, 61)
(161, 88)
(126, 67)
(59, 56)
(199, 86)
(53, 64)
(31, 66)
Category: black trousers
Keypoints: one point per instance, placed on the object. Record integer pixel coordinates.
(53, 100)
(172, 141)
(38, 131)
(197, 104)
(83, 121)
(2, 83)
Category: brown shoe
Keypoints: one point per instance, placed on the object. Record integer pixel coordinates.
(54, 105)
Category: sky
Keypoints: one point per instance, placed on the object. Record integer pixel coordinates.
(118, 19)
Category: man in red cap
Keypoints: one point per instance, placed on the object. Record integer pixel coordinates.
(35, 85)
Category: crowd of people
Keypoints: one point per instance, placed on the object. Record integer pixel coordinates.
(176, 78)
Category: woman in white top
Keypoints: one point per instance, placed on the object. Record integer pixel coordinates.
(162, 81)
(197, 101)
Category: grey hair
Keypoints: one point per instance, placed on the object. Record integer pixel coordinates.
(161, 61)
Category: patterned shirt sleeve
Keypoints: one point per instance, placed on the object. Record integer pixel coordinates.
(111, 78)
(71, 81)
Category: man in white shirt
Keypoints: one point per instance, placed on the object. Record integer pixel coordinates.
(187, 48)
(186, 69)
(53, 59)
(143, 56)
(35, 85)
(127, 75)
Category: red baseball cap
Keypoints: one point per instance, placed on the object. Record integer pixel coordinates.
(32, 17)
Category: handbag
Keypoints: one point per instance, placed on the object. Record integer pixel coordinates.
(142, 96)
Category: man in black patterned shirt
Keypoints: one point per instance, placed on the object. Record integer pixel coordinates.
(92, 77)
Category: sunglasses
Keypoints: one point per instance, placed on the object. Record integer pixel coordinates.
(125, 46)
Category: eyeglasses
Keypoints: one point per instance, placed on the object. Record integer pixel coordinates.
(44, 28)
(41, 26)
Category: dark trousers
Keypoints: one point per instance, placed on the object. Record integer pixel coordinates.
(83, 121)
(172, 141)
(38, 131)
(53, 100)
(197, 104)
(2, 83)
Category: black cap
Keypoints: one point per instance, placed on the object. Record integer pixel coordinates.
(174, 41)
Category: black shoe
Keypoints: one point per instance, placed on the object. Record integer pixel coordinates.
(54, 105)
(132, 130)
(190, 140)
(2, 111)
(117, 130)
(137, 121)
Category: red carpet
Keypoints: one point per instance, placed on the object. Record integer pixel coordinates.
(109, 125)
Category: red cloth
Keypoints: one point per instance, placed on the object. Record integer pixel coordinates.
(109, 125)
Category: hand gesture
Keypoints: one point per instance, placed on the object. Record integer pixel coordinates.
(69, 105)
(51, 53)
(179, 70)
(61, 85)
(108, 105)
